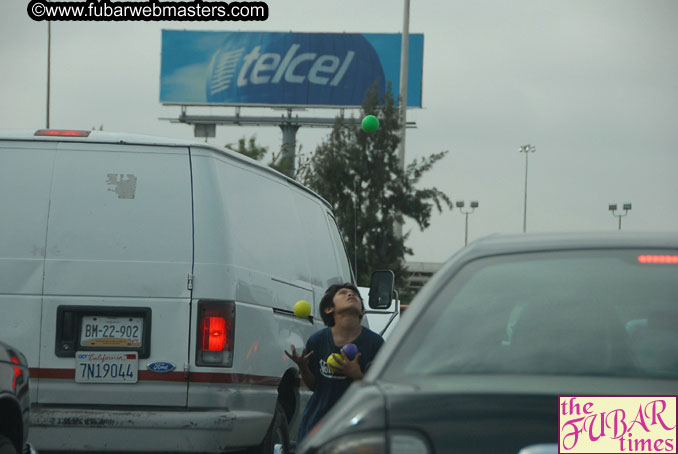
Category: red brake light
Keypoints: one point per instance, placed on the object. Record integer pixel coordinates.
(213, 334)
(62, 133)
(216, 326)
(667, 259)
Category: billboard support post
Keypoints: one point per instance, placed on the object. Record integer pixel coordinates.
(289, 143)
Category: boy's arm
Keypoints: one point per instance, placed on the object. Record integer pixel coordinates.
(307, 376)
(302, 362)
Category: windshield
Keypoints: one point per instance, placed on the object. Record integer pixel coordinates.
(567, 313)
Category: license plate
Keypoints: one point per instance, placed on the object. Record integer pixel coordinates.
(106, 367)
(100, 331)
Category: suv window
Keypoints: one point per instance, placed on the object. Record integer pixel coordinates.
(568, 313)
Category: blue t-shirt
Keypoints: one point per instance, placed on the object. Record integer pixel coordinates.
(329, 385)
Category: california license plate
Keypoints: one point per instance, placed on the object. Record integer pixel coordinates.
(102, 331)
(106, 367)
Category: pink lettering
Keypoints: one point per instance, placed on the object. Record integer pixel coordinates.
(590, 428)
(574, 432)
(656, 415)
(639, 420)
(617, 421)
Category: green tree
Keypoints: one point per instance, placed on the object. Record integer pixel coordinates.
(359, 174)
(249, 148)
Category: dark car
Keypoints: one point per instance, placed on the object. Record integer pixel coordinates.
(505, 327)
(14, 401)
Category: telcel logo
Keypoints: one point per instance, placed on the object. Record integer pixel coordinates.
(298, 68)
(271, 68)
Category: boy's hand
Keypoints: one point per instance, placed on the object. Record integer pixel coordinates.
(348, 367)
(300, 360)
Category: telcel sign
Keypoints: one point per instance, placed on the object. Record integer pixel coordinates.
(269, 69)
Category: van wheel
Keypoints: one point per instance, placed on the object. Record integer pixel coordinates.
(278, 434)
(6, 446)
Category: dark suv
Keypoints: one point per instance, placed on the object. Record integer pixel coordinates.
(479, 359)
(14, 401)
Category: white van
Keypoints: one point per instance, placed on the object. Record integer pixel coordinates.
(151, 284)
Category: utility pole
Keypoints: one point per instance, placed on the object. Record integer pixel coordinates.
(404, 59)
(527, 149)
(49, 53)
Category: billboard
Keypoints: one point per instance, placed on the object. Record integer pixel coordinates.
(284, 69)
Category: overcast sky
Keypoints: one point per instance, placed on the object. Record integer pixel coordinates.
(593, 84)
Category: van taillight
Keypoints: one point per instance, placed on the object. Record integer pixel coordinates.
(62, 132)
(216, 325)
(213, 333)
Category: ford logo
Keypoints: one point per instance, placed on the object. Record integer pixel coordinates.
(161, 367)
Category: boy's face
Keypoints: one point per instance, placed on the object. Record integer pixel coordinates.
(346, 300)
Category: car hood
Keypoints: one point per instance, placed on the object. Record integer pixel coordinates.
(498, 414)
(469, 413)
(474, 423)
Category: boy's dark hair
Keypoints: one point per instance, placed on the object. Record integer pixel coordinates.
(328, 301)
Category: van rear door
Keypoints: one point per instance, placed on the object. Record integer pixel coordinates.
(116, 310)
(25, 177)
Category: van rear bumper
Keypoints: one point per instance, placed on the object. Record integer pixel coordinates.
(145, 429)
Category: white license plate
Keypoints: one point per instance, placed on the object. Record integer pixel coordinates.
(100, 331)
(106, 367)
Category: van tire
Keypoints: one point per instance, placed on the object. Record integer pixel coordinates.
(6, 446)
(278, 433)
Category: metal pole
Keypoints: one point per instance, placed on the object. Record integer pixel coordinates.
(49, 52)
(525, 203)
(619, 222)
(466, 236)
(404, 59)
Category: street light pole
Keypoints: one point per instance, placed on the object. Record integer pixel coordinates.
(404, 60)
(527, 149)
(49, 64)
(613, 207)
(460, 205)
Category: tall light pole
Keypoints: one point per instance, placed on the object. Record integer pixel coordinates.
(460, 205)
(404, 59)
(613, 207)
(49, 53)
(527, 149)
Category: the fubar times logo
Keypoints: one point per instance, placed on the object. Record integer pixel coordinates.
(617, 424)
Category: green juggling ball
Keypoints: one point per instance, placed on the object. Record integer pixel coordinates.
(370, 123)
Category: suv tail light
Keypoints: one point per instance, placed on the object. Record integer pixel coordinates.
(665, 259)
(216, 325)
(62, 133)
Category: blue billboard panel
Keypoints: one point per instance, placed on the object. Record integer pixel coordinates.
(268, 69)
